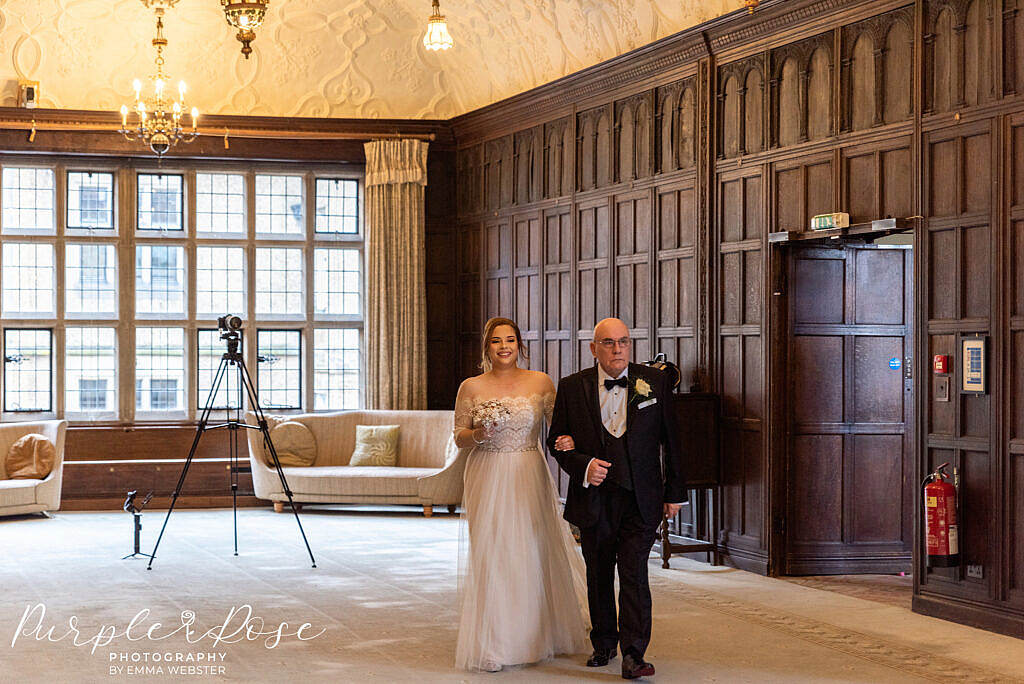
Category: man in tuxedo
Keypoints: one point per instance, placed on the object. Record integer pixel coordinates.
(618, 414)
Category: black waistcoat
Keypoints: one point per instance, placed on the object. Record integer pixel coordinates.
(615, 453)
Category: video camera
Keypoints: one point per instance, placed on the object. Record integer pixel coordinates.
(230, 323)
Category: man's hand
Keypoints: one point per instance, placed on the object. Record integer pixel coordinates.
(597, 471)
(565, 443)
(672, 509)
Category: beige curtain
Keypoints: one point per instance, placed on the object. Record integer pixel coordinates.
(396, 309)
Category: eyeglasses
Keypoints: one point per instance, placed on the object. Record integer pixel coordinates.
(609, 343)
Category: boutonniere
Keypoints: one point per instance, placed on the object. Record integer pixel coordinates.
(641, 390)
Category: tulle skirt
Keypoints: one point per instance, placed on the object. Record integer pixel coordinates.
(523, 582)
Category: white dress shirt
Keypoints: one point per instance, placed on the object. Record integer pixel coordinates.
(612, 402)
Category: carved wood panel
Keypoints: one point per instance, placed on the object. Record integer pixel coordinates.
(558, 167)
(469, 186)
(633, 287)
(1015, 281)
(469, 303)
(558, 310)
(877, 70)
(498, 172)
(593, 274)
(740, 354)
(741, 96)
(441, 325)
(676, 277)
(528, 163)
(526, 282)
(1013, 47)
(497, 290)
(632, 139)
(877, 181)
(802, 83)
(1014, 323)
(960, 43)
(593, 148)
(803, 188)
(675, 126)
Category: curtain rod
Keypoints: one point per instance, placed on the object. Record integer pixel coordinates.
(225, 132)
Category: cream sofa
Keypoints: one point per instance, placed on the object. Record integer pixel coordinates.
(32, 496)
(428, 474)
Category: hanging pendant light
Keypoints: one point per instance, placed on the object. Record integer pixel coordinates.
(158, 120)
(437, 36)
(246, 16)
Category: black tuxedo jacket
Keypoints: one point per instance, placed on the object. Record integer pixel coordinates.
(578, 413)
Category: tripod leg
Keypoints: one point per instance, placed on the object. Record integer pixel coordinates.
(254, 402)
(233, 446)
(221, 369)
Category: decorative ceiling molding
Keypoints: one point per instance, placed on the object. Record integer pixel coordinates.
(329, 58)
(775, 21)
(737, 35)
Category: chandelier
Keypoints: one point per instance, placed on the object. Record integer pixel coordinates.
(437, 36)
(751, 5)
(158, 118)
(246, 17)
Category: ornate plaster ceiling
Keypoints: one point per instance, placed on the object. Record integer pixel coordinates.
(326, 58)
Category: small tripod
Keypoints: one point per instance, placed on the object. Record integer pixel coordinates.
(229, 326)
(136, 511)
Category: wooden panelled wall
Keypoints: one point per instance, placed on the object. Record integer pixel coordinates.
(646, 188)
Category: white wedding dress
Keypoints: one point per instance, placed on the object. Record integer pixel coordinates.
(524, 587)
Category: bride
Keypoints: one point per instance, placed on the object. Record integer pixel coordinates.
(525, 586)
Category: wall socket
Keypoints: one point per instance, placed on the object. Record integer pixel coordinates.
(976, 571)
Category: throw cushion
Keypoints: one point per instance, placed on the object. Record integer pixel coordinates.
(376, 445)
(294, 443)
(30, 458)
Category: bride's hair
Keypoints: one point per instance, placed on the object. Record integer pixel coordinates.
(485, 361)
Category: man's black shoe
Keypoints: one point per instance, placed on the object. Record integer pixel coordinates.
(634, 668)
(600, 657)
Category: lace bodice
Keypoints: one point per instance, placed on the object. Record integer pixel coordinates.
(522, 431)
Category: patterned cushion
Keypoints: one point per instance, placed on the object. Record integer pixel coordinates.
(294, 443)
(376, 445)
(30, 458)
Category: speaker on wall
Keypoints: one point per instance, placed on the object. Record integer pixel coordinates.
(28, 94)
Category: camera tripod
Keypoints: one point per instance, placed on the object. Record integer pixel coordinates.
(136, 511)
(232, 358)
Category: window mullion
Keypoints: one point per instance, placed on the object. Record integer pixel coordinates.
(191, 298)
(59, 337)
(309, 400)
(126, 302)
(249, 350)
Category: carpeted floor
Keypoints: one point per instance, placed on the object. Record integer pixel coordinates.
(384, 592)
(893, 590)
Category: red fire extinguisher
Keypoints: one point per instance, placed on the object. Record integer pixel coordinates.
(940, 520)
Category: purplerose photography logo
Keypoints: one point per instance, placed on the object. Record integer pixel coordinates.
(151, 645)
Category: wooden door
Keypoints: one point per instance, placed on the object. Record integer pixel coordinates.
(850, 490)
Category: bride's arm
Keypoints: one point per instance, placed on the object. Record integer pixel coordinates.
(466, 435)
(562, 442)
